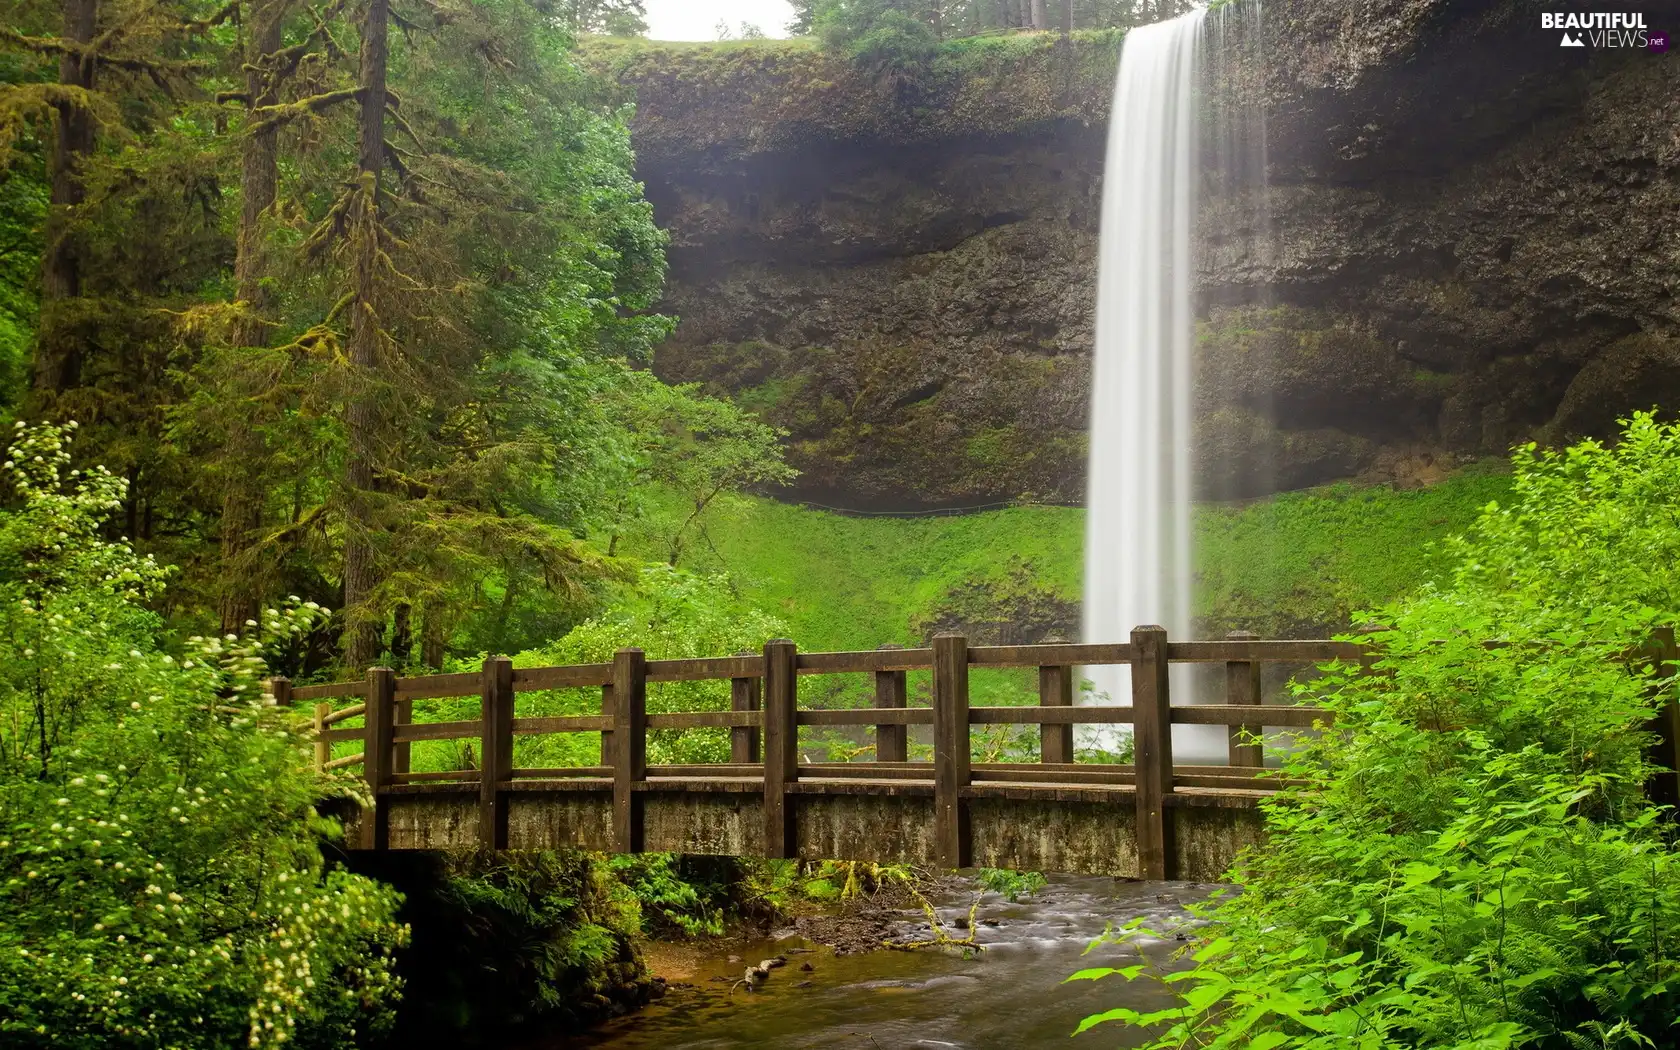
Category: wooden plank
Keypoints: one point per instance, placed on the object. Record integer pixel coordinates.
(1232, 780)
(330, 691)
(951, 757)
(1052, 716)
(1228, 715)
(709, 769)
(629, 747)
(323, 749)
(866, 771)
(859, 786)
(333, 736)
(892, 739)
(344, 714)
(533, 679)
(1242, 689)
(1152, 752)
(870, 660)
(1317, 651)
(1026, 774)
(707, 669)
(867, 716)
(437, 731)
(463, 776)
(705, 719)
(1055, 691)
(376, 754)
(704, 785)
(746, 694)
(781, 748)
(1061, 792)
(495, 748)
(465, 789)
(562, 724)
(560, 772)
(432, 686)
(602, 784)
(1060, 653)
(340, 763)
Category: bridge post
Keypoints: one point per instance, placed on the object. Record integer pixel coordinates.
(1664, 786)
(376, 754)
(629, 741)
(892, 742)
(496, 748)
(1055, 689)
(1152, 753)
(1242, 688)
(607, 712)
(781, 748)
(951, 758)
(744, 695)
(280, 690)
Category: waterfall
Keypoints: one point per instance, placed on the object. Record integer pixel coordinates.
(1137, 537)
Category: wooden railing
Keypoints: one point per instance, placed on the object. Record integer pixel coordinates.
(765, 716)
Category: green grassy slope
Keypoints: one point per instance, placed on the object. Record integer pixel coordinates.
(1297, 563)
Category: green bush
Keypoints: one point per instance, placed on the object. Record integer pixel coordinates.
(160, 879)
(876, 32)
(1474, 862)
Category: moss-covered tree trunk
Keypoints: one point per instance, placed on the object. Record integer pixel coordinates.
(59, 352)
(361, 417)
(242, 503)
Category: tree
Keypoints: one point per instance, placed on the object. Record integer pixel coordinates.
(606, 17)
(697, 448)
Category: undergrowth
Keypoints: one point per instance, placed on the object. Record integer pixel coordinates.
(1472, 861)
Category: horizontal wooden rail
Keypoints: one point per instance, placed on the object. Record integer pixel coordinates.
(562, 724)
(1236, 715)
(1315, 651)
(868, 660)
(530, 680)
(867, 716)
(328, 692)
(340, 763)
(1051, 716)
(344, 714)
(705, 669)
(706, 720)
(406, 732)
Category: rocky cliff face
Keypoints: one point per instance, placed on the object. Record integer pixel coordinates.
(1468, 237)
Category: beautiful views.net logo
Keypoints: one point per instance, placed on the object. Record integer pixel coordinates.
(1604, 29)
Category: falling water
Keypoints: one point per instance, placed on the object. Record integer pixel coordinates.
(1137, 539)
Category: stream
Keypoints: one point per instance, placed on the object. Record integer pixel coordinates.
(1009, 995)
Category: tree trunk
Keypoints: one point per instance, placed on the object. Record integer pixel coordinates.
(362, 645)
(1040, 19)
(1067, 17)
(402, 634)
(433, 634)
(242, 503)
(58, 357)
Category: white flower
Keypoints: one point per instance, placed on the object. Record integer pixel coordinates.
(62, 801)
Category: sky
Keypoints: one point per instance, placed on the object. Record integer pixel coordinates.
(698, 19)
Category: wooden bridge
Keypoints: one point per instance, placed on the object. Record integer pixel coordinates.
(1151, 819)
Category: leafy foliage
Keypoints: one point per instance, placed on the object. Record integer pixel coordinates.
(1474, 862)
(161, 882)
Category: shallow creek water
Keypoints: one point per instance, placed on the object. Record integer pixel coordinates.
(1010, 995)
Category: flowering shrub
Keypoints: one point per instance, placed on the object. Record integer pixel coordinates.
(160, 879)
